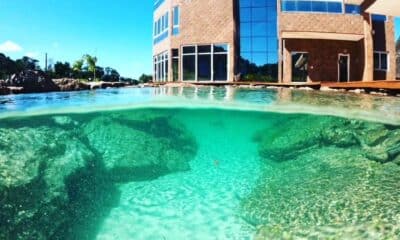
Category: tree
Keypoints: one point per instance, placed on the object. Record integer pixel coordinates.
(110, 75)
(62, 69)
(77, 68)
(27, 63)
(7, 66)
(91, 63)
(145, 78)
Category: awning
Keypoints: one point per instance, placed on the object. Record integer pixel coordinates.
(322, 35)
(385, 7)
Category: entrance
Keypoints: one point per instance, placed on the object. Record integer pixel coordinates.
(300, 66)
(344, 68)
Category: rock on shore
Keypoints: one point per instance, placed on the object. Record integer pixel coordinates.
(32, 81)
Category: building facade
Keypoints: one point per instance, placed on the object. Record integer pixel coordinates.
(271, 40)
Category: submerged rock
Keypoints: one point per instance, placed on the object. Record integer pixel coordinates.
(321, 192)
(34, 163)
(298, 135)
(59, 174)
(156, 143)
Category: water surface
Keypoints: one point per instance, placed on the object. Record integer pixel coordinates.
(199, 163)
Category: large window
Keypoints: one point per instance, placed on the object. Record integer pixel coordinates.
(161, 67)
(381, 61)
(321, 6)
(352, 9)
(258, 40)
(161, 26)
(175, 64)
(176, 21)
(158, 3)
(378, 18)
(205, 62)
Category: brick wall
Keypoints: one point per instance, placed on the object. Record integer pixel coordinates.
(206, 22)
(324, 23)
(323, 58)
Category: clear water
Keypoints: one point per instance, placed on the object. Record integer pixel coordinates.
(199, 163)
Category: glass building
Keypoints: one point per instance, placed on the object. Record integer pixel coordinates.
(271, 40)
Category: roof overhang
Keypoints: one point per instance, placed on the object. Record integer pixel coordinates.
(385, 7)
(321, 35)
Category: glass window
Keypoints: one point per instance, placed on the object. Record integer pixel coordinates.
(176, 20)
(323, 6)
(381, 61)
(221, 48)
(378, 18)
(175, 53)
(189, 67)
(245, 29)
(259, 14)
(220, 67)
(259, 44)
(204, 67)
(259, 38)
(259, 28)
(318, 6)
(245, 14)
(335, 7)
(376, 61)
(352, 9)
(384, 65)
(189, 49)
(175, 69)
(245, 44)
(304, 6)
(176, 16)
(204, 49)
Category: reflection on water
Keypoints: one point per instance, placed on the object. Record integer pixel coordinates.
(368, 107)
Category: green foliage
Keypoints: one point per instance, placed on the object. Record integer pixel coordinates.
(9, 66)
(255, 77)
(62, 70)
(91, 64)
(145, 78)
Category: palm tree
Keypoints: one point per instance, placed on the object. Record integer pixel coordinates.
(91, 62)
(77, 66)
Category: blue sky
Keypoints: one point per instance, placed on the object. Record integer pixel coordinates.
(118, 32)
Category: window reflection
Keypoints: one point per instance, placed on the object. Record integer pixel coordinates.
(258, 40)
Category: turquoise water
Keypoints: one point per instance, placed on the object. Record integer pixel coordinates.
(199, 163)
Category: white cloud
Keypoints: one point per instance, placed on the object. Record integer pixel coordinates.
(32, 54)
(9, 46)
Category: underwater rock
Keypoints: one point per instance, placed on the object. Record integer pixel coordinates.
(298, 135)
(329, 186)
(34, 163)
(155, 144)
(292, 138)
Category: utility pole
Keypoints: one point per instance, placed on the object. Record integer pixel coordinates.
(45, 62)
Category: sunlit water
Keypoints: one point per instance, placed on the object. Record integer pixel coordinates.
(199, 163)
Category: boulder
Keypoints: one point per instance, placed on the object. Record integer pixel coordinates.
(379, 142)
(32, 81)
(130, 144)
(68, 84)
(297, 135)
(34, 164)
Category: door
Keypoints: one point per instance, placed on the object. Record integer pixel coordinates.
(299, 67)
(344, 68)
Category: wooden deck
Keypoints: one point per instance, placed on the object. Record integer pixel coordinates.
(375, 85)
(391, 87)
